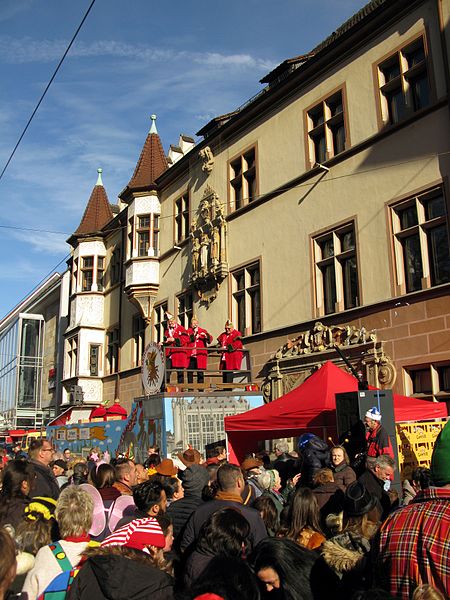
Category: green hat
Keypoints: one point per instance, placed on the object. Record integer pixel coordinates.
(440, 460)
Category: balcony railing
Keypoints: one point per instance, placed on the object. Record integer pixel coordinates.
(213, 375)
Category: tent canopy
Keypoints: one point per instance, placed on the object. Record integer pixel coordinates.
(312, 407)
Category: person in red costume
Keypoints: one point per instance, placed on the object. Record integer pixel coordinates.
(176, 339)
(198, 355)
(231, 341)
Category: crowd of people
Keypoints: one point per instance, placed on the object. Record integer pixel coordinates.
(295, 525)
(187, 349)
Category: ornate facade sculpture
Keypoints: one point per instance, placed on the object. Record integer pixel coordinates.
(207, 159)
(208, 246)
(299, 357)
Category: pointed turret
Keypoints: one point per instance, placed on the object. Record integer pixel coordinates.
(152, 162)
(98, 210)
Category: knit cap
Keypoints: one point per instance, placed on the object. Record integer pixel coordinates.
(374, 414)
(138, 534)
(440, 459)
(194, 479)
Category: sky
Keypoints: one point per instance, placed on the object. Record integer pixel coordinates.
(186, 61)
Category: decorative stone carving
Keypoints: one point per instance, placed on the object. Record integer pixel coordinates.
(208, 247)
(207, 159)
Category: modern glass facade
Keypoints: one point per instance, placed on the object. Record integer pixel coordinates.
(21, 361)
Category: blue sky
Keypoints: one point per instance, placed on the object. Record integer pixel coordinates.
(187, 61)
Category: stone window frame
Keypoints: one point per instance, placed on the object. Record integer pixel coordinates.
(94, 360)
(243, 172)
(320, 262)
(159, 320)
(185, 308)
(138, 327)
(323, 106)
(113, 350)
(72, 344)
(182, 217)
(436, 375)
(246, 294)
(424, 226)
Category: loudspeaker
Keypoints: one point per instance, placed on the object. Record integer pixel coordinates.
(351, 408)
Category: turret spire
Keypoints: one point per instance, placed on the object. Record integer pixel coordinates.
(153, 126)
(99, 178)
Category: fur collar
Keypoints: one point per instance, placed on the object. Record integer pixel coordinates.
(122, 551)
(345, 552)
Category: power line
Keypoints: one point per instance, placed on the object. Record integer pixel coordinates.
(47, 88)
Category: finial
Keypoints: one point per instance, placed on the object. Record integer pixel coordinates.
(99, 178)
(153, 127)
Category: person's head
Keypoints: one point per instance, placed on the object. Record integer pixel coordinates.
(228, 326)
(194, 322)
(59, 467)
(145, 535)
(173, 488)
(166, 525)
(322, 477)
(421, 478)
(372, 418)
(225, 532)
(281, 564)
(338, 456)
(440, 459)
(220, 452)
(362, 511)
(141, 474)
(230, 478)
(41, 451)
(35, 531)
(228, 579)
(269, 480)
(67, 454)
(427, 592)
(152, 450)
(268, 512)
(150, 497)
(194, 479)
(384, 467)
(153, 461)
(80, 473)
(104, 476)
(126, 472)
(8, 563)
(303, 512)
(74, 510)
(17, 480)
(281, 448)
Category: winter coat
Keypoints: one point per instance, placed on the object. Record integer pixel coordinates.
(347, 557)
(232, 356)
(329, 497)
(198, 341)
(344, 475)
(180, 511)
(316, 455)
(45, 484)
(177, 351)
(196, 563)
(119, 573)
(376, 487)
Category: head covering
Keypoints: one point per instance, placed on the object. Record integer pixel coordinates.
(373, 413)
(169, 316)
(194, 479)
(44, 506)
(167, 468)
(440, 459)
(138, 534)
(358, 500)
(60, 463)
(251, 463)
(228, 323)
(189, 457)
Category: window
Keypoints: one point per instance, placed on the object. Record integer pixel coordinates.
(112, 352)
(243, 184)
(421, 241)
(115, 265)
(326, 129)
(87, 273)
(147, 233)
(100, 273)
(73, 282)
(429, 382)
(72, 357)
(403, 83)
(138, 338)
(159, 322)
(182, 218)
(185, 309)
(94, 359)
(336, 270)
(247, 299)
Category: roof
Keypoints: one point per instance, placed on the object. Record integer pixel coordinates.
(98, 210)
(152, 162)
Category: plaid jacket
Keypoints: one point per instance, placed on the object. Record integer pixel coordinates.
(415, 545)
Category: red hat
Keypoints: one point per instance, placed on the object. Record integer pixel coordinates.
(138, 534)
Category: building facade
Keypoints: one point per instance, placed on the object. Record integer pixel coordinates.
(30, 358)
(315, 216)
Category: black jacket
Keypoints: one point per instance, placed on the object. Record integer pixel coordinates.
(14, 510)
(180, 511)
(258, 530)
(118, 573)
(376, 487)
(45, 484)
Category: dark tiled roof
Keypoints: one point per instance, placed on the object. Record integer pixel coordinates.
(287, 65)
(98, 212)
(216, 122)
(152, 162)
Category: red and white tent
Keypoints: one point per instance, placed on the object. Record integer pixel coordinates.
(311, 407)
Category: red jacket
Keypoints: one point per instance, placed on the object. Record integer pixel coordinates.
(232, 357)
(177, 350)
(378, 442)
(198, 341)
